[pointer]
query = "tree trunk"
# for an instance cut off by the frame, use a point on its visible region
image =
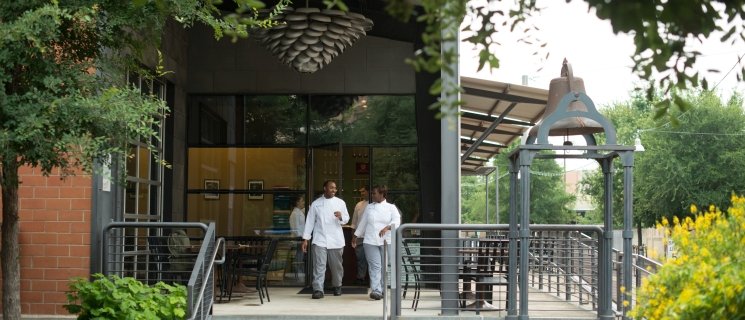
(10, 249)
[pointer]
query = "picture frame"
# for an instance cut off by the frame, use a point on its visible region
(362, 168)
(211, 184)
(255, 185)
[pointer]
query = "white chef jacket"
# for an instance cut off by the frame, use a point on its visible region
(375, 218)
(297, 222)
(324, 225)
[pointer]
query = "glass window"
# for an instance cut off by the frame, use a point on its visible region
(233, 168)
(396, 167)
(362, 119)
(274, 120)
(144, 176)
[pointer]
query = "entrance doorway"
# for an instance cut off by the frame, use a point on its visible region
(349, 167)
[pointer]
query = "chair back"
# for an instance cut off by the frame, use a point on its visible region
(492, 257)
(266, 260)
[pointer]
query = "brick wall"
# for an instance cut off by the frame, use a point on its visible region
(55, 222)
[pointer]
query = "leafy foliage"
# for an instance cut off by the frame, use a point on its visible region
(706, 280)
(125, 298)
(63, 100)
(683, 164)
(662, 31)
(550, 203)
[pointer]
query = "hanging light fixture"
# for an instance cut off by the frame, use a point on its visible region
(638, 142)
(307, 39)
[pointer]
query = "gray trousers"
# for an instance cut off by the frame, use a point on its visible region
(334, 257)
(361, 259)
(374, 256)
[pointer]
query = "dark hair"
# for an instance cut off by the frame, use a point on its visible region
(382, 189)
(297, 198)
(326, 183)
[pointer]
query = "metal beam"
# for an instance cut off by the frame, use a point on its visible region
(485, 117)
(487, 132)
(501, 96)
(481, 129)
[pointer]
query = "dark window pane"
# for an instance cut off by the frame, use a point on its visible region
(212, 120)
(329, 115)
(382, 120)
(274, 120)
(396, 167)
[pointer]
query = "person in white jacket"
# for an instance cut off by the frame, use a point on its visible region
(297, 227)
(375, 227)
(325, 217)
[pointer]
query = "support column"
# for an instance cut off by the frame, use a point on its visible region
(450, 169)
(526, 158)
(627, 159)
(512, 249)
(606, 244)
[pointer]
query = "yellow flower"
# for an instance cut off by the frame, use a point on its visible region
(694, 210)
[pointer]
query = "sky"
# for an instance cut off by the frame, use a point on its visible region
(597, 55)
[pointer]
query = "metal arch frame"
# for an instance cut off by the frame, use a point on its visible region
(520, 161)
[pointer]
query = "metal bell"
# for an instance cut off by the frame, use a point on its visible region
(568, 126)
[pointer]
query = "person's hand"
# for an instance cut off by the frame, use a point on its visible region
(354, 242)
(305, 246)
(337, 214)
(384, 230)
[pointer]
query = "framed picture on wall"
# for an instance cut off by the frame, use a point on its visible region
(255, 185)
(211, 184)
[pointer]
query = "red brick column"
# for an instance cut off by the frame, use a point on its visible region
(55, 222)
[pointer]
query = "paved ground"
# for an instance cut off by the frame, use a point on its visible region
(287, 304)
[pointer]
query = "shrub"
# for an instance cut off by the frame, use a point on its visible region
(707, 278)
(125, 298)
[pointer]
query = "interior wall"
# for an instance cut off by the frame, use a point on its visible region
(372, 65)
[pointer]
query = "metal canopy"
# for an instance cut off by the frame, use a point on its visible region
(493, 115)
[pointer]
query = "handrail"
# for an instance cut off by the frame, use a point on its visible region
(197, 273)
(213, 261)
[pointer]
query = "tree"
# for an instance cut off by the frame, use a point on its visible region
(662, 32)
(56, 113)
(680, 165)
(549, 200)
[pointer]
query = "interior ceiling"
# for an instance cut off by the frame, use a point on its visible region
(494, 114)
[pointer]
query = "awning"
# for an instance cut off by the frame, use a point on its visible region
(494, 114)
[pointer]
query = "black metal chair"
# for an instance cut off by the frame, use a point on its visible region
(412, 266)
(249, 264)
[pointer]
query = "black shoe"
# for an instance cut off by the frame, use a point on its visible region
(337, 291)
(376, 295)
(317, 294)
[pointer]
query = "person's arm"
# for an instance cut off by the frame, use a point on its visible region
(294, 222)
(360, 232)
(310, 223)
(394, 222)
(343, 217)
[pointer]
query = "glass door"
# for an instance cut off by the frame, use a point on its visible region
(326, 164)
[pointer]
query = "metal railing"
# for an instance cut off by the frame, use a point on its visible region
(563, 263)
(147, 252)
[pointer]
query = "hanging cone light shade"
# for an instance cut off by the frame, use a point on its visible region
(307, 39)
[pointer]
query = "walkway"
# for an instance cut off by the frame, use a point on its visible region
(287, 304)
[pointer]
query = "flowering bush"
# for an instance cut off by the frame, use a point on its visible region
(707, 278)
